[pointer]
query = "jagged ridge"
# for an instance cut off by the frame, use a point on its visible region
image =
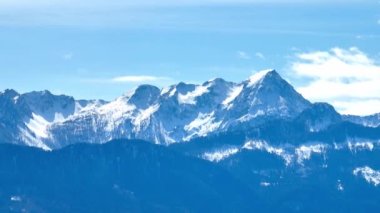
(177, 113)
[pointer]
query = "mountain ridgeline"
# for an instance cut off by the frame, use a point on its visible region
(263, 107)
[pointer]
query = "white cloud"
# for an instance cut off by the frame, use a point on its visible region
(259, 55)
(352, 107)
(138, 79)
(243, 55)
(347, 78)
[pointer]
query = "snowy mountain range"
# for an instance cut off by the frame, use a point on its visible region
(218, 147)
(265, 106)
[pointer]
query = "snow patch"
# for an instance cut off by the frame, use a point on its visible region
(172, 93)
(166, 135)
(299, 154)
(189, 98)
(245, 118)
(116, 109)
(249, 117)
(202, 125)
(219, 155)
(58, 117)
(340, 186)
(264, 146)
(15, 198)
(32, 140)
(15, 99)
(360, 146)
(304, 152)
(265, 184)
(370, 175)
(113, 113)
(165, 90)
(144, 115)
(234, 92)
(170, 90)
(38, 125)
(89, 107)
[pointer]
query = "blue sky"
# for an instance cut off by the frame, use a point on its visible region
(101, 49)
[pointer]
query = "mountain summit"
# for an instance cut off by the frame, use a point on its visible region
(178, 113)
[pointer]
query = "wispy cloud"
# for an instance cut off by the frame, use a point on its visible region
(259, 55)
(347, 78)
(243, 55)
(246, 56)
(131, 80)
(138, 79)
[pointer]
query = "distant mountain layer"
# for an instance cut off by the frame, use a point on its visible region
(121, 176)
(264, 106)
(137, 176)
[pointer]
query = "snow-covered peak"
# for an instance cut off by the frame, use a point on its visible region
(53, 108)
(259, 76)
(264, 94)
(10, 95)
(144, 96)
(219, 86)
(216, 81)
(209, 94)
(184, 88)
